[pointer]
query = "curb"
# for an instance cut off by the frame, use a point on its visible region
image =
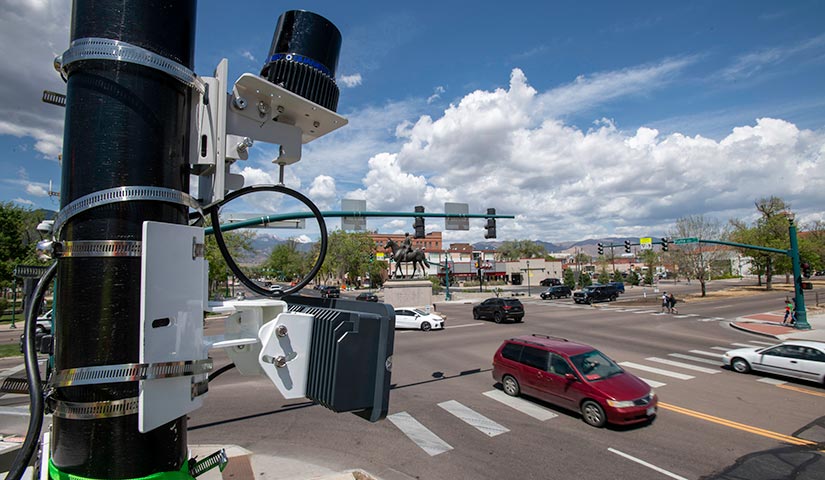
(744, 329)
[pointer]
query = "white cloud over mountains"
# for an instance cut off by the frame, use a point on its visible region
(496, 149)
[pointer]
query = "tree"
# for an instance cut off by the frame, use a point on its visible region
(617, 276)
(604, 277)
(650, 259)
(569, 278)
(633, 278)
(287, 261)
(348, 254)
(18, 236)
(516, 249)
(237, 242)
(769, 230)
(694, 259)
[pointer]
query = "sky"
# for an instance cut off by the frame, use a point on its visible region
(581, 119)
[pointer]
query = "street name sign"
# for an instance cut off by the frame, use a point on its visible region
(680, 241)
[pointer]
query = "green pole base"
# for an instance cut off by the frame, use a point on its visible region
(182, 474)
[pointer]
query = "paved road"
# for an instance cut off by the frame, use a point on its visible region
(713, 424)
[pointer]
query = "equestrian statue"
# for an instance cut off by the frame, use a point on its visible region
(406, 254)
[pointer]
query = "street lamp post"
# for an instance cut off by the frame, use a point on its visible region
(801, 314)
(528, 278)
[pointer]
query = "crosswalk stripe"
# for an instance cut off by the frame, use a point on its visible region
(709, 354)
(419, 434)
(528, 408)
(757, 342)
(691, 315)
(652, 383)
(747, 345)
(682, 365)
(473, 418)
(771, 381)
(723, 349)
(694, 359)
(667, 373)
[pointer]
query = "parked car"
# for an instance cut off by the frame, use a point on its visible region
(499, 309)
(418, 319)
(596, 293)
(367, 297)
(549, 282)
(44, 322)
(559, 291)
(800, 359)
(330, 292)
(575, 376)
(276, 289)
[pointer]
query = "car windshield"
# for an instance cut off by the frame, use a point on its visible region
(420, 312)
(594, 365)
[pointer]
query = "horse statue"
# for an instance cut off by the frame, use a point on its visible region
(415, 256)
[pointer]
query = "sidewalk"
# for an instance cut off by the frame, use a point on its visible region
(769, 324)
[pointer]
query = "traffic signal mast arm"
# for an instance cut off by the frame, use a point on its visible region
(252, 222)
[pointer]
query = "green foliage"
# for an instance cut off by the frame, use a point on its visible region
(617, 276)
(585, 280)
(633, 278)
(238, 244)
(348, 254)
(648, 277)
(18, 237)
(287, 262)
(569, 278)
(4, 304)
(604, 277)
(516, 249)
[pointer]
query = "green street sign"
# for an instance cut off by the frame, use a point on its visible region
(680, 241)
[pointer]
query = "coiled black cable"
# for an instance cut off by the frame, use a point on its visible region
(216, 229)
(24, 455)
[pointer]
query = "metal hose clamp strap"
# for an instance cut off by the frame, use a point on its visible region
(94, 48)
(129, 372)
(94, 410)
(122, 194)
(100, 248)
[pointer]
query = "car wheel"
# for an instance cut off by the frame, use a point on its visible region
(425, 326)
(511, 386)
(613, 298)
(497, 317)
(476, 316)
(740, 365)
(593, 414)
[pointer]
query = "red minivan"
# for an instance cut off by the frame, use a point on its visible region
(574, 376)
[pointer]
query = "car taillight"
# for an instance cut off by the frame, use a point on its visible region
(507, 307)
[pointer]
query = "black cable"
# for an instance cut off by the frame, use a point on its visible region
(24, 455)
(219, 371)
(216, 229)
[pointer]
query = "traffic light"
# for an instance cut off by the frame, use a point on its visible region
(418, 223)
(601, 248)
(806, 270)
(627, 246)
(491, 224)
(664, 244)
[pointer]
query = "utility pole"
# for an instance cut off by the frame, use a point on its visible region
(801, 313)
(127, 125)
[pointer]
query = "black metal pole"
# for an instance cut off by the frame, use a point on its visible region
(126, 125)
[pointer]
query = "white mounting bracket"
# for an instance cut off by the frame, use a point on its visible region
(227, 124)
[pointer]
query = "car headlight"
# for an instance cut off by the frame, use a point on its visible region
(618, 404)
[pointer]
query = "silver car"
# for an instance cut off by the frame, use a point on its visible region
(800, 359)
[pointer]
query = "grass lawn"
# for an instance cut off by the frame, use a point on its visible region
(10, 350)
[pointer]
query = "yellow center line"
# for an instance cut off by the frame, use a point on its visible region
(803, 390)
(739, 426)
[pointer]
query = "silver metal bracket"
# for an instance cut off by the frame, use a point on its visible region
(98, 248)
(94, 410)
(129, 372)
(217, 459)
(94, 48)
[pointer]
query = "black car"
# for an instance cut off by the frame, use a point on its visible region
(330, 292)
(499, 309)
(367, 297)
(596, 293)
(559, 291)
(550, 282)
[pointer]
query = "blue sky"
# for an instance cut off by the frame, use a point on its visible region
(582, 119)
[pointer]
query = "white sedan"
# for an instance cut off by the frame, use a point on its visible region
(794, 358)
(417, 319)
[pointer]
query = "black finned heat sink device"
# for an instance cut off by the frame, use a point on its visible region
(303, 57)
(351, 348)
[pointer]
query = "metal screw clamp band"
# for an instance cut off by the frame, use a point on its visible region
(94, 48)
(100, 248)
(122, 194)
(94, 410)
(129, 372)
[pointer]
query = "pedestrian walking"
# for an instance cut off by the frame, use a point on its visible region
(788, 311)
(671, 304)
(665, 303)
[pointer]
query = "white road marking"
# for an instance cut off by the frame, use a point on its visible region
(771, 381)
(694, 359)
(528, 408)
(473, 418)
(419, 434)
(646, 464)
(762, 343)
(709, 354)
(467, 325)
(682, 365)
(747, 345)
(691, 315)
(667, 373)
(722, 349)
(652, 383)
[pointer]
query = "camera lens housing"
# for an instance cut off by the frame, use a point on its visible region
(303, 57)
